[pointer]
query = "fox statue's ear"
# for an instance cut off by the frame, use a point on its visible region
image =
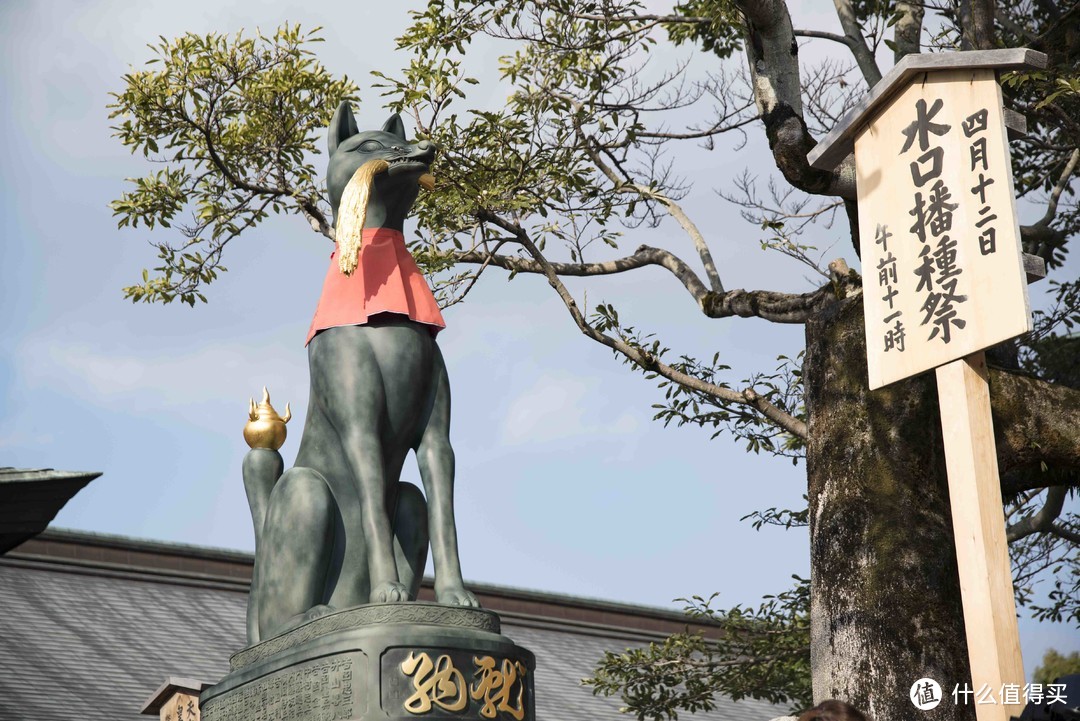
(394, 126)
(342, 127)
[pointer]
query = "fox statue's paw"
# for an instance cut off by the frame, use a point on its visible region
(389, 592)
(456, 595)
(299, 620)
(318, 612)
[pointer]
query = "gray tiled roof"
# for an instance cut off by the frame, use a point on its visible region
(94, 645)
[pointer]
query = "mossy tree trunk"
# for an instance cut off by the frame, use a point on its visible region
(885, 606)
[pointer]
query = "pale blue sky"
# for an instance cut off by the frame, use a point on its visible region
(564, 483)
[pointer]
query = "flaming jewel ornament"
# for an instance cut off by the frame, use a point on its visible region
(265, 428)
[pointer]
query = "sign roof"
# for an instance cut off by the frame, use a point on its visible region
(840, 142)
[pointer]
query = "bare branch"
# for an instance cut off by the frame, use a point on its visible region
(857, 43)
(767, 305)
(1035, 422)
(787, 217)
(1016, 28)
(828, 95)
(908, 29)
(779, 307)
(1041, 238)
(1059, 188)
(716, 128)
(315, 217)
(676, 211)
(661, 19)
(772, 54)
(1042, 521)
(822, 35)
(691, 229)
(638, 355)
(1064, 533)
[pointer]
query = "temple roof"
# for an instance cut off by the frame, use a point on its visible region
(92, 625)
(31, 497)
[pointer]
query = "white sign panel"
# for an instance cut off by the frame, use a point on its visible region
(943, 274)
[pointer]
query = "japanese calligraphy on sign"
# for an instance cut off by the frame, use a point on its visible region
(942, 268)
(181, 707)
(498, 686)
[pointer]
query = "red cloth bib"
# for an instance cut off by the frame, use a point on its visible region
(386, 280)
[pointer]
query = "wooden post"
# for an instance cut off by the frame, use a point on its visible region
(982, 557)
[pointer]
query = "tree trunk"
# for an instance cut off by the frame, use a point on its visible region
(885, 599)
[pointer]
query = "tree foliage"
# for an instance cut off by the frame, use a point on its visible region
(761, 653)
(1055, 665)
(232, 122)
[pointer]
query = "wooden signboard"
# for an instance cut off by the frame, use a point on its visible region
(181, 707)
(942, 269)
(943, 279)
(177, 699)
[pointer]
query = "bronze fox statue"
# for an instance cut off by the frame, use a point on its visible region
(340, 528)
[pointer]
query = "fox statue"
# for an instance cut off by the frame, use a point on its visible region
(340, 528)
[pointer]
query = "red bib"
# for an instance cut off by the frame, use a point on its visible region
(386, 280)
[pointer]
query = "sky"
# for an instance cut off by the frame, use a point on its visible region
(564, 483)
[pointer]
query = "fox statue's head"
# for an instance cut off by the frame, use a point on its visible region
(373, 179)
(394, 183)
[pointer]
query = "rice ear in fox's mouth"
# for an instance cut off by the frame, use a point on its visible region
(352, 211)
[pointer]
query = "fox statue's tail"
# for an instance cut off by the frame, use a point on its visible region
(263, 466)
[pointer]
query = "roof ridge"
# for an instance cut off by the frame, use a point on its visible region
(117, 540)
(54, 533)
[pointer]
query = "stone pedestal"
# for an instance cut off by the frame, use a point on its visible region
(384, 661)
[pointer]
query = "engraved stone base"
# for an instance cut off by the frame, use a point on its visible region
(391, 661)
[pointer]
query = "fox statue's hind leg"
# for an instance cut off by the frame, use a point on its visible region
(295, 571)
(410, 537)
(297, 545)
(313, 552)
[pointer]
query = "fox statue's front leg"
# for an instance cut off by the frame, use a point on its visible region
(372, 383)
(435, 457)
